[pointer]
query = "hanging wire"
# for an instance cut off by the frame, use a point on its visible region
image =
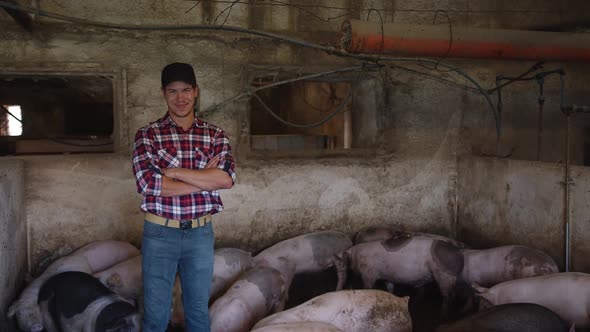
(320, 122)
(409, 10)
(309, 12)
(438, 78)
(230, 8)
(193, 7)
(535, 67)
(251, 91)
(289, 40)
(450, 40)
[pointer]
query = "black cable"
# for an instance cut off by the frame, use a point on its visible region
(293, 41)
(482, 91)
(438, 78)
(301, 8)
(416, 10)
(450, 32)
(382, 41)
(230, 8)
(450, 42)
(12, 115)
(307, 103)
(311, 125)
(499, 105)
(249, 92)
(193, 7)
(534, 77)
(289, 40)
(318, 123)
(533, 68)
(382, 32)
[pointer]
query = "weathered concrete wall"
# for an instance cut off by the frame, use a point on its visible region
(505, 201)
(580, 218)
(408, 178)
(72, 200)
(519, 118)
(13, 233)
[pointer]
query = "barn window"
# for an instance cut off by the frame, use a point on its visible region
(48, 114)
(302, 103)
(11, 124)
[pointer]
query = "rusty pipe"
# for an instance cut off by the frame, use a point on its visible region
(435, 41)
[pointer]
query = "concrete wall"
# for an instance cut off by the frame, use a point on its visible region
(580, 218)
(407, 178)
(13, 232)
(505, 202)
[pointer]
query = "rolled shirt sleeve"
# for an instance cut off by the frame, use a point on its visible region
(222, 149)
(148, 176)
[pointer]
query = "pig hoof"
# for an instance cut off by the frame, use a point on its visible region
(37, 327)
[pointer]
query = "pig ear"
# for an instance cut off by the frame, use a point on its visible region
(478, 288)
(114, 280)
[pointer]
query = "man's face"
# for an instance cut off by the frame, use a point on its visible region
(180, 97)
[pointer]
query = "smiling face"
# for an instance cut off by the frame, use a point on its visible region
(180, 97)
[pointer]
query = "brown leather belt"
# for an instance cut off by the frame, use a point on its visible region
(182, 224)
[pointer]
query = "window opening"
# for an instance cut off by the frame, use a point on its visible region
(11, 124)
(57, 113)
(301, 102)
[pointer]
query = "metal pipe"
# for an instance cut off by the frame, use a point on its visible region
(347, 128)
(539, 131)
(566, 182)
(541, 100)
(566, 217)
(436, 41)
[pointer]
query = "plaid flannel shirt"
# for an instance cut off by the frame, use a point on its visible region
(163, 144)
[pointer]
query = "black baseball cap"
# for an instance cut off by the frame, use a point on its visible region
(177, 71)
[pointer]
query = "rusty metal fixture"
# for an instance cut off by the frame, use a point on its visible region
(460, 42)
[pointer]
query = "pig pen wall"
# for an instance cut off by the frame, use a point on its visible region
(407, 178)
(505, 202)
(13, 232)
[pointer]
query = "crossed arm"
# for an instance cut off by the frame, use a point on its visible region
(168, 182)
(184, 181)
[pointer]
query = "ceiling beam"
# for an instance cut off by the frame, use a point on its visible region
(21, 17)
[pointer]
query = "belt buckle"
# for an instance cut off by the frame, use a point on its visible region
(186, 224)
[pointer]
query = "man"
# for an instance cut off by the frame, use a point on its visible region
(179, 163)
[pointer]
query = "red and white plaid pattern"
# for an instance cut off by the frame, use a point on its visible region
(163, 144)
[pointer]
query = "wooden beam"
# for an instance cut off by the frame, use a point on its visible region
(20, 17)
(41, 146)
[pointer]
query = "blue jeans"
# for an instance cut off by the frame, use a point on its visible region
(164, 251)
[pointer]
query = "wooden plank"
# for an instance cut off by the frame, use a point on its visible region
(40, 146)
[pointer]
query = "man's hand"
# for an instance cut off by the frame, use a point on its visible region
(213, 162)
(173, 172)
(169, 172)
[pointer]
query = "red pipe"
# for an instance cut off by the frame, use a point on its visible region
(434, 41)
